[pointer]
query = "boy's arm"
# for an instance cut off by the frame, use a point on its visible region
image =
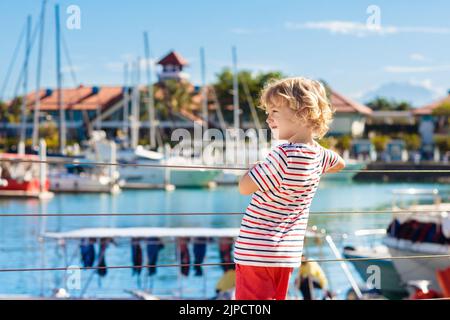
(340, 164)
(247, 185)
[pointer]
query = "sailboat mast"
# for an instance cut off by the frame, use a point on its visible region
(235, 91)
(135, 108)
(23, 132)
(126, 102)
(150, 97)
(62, 123)
(37, 100)
(204, 89)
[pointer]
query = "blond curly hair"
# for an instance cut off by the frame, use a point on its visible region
(305, 96)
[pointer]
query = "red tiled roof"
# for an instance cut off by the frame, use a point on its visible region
(80, 98)
(105, 97)
(428, 109)
(345, 105)
(31, 97)
(174, 59)
(69, 97)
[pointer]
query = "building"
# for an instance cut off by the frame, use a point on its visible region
(431, 125)
(350, 117)
(81, 106)
(172, 67)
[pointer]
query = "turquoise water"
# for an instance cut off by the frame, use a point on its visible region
(19, 247)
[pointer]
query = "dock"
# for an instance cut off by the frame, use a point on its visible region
(410, 173)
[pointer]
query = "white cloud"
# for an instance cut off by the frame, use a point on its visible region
(417, 57)
(361, 29)
(416, 69)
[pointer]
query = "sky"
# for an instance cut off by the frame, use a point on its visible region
(356, 46)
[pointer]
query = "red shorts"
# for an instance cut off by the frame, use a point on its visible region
(262, 283)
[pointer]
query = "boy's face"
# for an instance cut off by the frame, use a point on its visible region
(282, 122)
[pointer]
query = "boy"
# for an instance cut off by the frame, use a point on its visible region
(270, 240)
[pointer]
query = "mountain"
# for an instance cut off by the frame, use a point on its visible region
(415, 94)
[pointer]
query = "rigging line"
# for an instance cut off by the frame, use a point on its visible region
(37, 101)
(251, 106)
(314, 213)
(22, 70)
(204, 167)
(69, 60)
(220, 263)
(13, 61)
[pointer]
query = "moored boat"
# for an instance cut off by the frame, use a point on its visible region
(82, 176)
(418, 230)
(22, 179)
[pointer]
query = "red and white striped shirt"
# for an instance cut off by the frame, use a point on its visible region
(274, 225)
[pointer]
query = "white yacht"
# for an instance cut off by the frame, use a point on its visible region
(420, 229)
(83, 177)
(136, 175)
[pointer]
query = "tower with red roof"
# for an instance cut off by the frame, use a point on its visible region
(172, 67)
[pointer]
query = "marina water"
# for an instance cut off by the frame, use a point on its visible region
(20, 248)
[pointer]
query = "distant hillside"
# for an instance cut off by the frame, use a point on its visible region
(416, 95)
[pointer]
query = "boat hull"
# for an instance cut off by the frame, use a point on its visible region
(187, 178)
(74, 183)
(16, 188)
(391, 285)
(418, 269)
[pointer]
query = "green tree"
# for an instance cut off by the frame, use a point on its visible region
(380, 142)
(175, 97)
(383, 104)
(403, 106)
(49, 132)
(11, 113)
(344, 142)
(442, 142)
(412, 141)
(253, 82)
(442, 110)
(328, 142)
(3, 111)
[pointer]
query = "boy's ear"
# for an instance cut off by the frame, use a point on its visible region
(298, 114)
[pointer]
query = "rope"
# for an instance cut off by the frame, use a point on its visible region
(220, 263)
(315, 213)
(148, 165)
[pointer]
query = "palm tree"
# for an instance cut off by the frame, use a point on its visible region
(175, 96)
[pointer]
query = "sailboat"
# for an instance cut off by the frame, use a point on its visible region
(235, 155)
(22, 179)
(83, 176)
(136, 161)
(420, 229)
(137, 176)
